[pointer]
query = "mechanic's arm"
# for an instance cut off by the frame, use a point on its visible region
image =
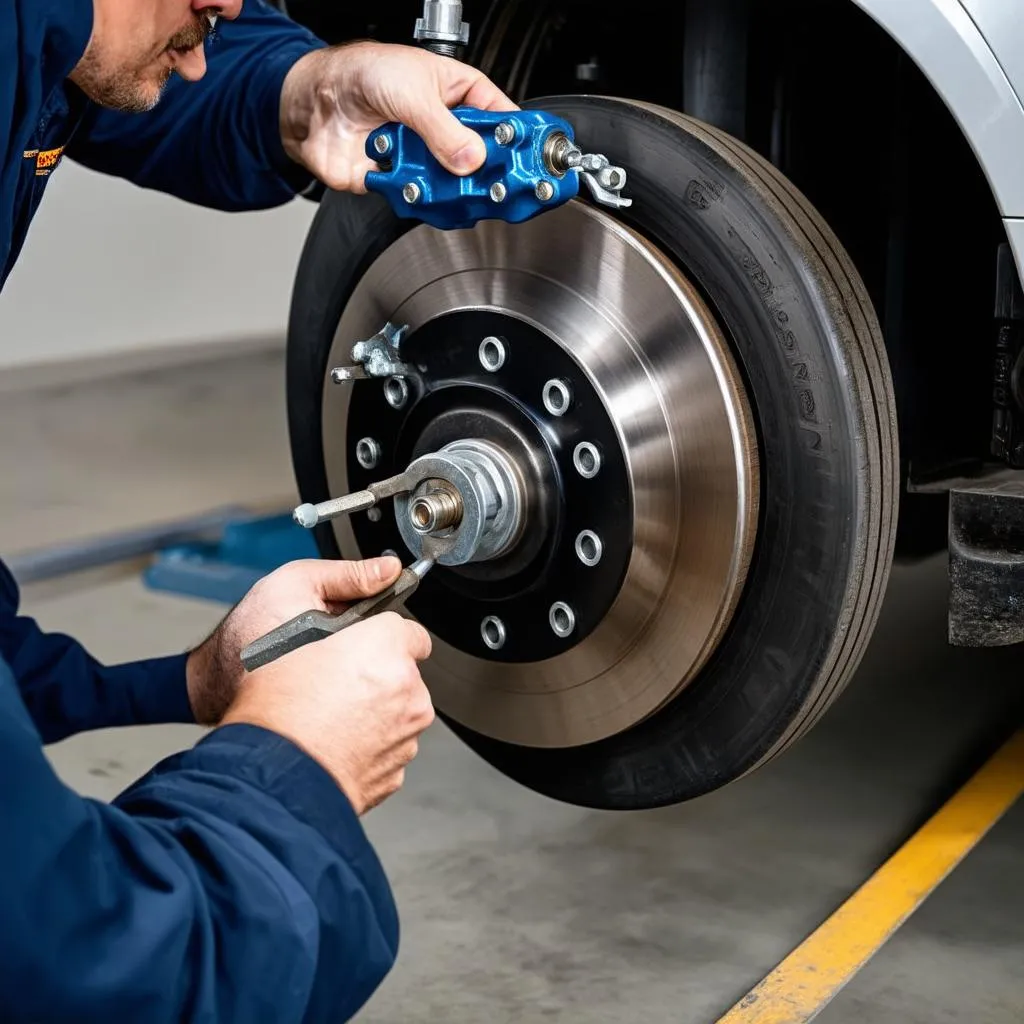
(233, 882)
(275, 110)
(67, 691)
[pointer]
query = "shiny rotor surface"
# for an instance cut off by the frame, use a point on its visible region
(650, 347)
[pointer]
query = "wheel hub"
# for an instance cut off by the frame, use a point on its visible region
(588, 454)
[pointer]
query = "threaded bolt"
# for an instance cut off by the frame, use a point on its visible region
(544, 191)
(436, 510)
(504, 133)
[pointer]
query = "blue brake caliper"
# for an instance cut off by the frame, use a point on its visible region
(532, 165)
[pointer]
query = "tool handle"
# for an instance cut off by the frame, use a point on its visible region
(318, 625)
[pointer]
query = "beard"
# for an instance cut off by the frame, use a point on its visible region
(128, 89)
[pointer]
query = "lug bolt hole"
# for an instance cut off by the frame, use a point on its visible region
(396, 391)
(587, 459)
(557, 397)
(492, 354)
(367, 452)
(562, 619)
(589, 548)
(492, 629)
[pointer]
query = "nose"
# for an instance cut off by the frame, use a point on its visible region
(229, 9)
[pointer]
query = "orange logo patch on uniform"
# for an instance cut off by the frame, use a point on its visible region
(47, 160)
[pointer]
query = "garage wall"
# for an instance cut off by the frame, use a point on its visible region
(111, 269)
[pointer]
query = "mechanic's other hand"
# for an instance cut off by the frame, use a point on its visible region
(354, 701)
(332, 99)
(214, 670)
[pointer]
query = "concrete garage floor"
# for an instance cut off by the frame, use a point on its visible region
(516, 908)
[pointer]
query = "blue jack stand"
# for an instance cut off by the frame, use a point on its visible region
(225, 570)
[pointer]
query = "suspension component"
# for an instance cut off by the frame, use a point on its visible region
(441, 28)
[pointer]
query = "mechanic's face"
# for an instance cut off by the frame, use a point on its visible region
(137, 44)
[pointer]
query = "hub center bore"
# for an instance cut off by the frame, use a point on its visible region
(471, 501)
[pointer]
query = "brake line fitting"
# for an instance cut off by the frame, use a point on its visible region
(532, 164)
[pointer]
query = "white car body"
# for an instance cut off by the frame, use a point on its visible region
(972, 51)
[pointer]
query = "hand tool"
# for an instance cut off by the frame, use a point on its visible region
(317, 625)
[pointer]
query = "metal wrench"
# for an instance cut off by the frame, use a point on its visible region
(317, 625)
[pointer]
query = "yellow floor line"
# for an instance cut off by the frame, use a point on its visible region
(804, 983)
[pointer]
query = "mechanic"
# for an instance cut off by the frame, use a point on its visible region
(234, 881)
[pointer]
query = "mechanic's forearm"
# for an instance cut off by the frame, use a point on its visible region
(232, 883)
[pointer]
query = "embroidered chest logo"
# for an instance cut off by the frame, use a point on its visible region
(46, 159)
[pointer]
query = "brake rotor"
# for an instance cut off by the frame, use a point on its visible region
(575, 300)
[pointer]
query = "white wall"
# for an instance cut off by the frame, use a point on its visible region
(109, 268)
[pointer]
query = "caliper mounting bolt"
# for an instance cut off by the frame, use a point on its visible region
(411, 192)
(544, 191)
(382, 143)
(498, 192)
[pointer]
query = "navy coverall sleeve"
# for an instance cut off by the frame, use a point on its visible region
(233, 883)
(215, 142)
(66, 690)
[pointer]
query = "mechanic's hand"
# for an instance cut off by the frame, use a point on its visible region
(354, 701)
(214, 670)
(332, 100)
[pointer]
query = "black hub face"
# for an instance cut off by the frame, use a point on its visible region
(460, 399)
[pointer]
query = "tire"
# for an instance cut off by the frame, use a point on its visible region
(814, 366)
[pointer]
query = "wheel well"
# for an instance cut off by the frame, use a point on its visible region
(822, 91)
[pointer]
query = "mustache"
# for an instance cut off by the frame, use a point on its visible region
(192, 35)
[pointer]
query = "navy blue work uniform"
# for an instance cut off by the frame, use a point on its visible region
(233, 882)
